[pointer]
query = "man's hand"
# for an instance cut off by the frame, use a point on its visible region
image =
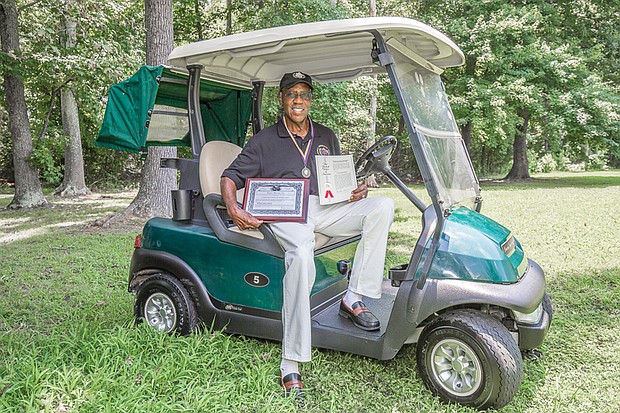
(358, 193)
(241, 218)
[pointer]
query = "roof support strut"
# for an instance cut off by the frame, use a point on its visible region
(196, 130)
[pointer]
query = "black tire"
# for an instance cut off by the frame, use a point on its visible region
(165, 305)
(470, 358)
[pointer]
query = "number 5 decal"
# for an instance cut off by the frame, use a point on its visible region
(256, 279)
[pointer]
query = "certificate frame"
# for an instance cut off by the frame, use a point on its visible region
(269, 204)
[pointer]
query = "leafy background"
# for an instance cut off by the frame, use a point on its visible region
(558, 60)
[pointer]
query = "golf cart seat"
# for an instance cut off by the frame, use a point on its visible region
(216, 156)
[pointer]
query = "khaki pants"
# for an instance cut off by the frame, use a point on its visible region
(370, 217)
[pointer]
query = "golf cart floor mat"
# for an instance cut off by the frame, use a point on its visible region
(380, 307)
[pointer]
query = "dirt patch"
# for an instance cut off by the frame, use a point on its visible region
(120, 225)
(92, 213)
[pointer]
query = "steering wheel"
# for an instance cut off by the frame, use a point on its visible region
(376, 158)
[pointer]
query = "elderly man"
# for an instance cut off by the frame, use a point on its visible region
(287, 150)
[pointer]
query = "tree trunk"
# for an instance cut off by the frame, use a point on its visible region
(470, 71)
(28, 191)
(198, 19)
(466, 134)
(73, 183)
(228, 16)
(153, 198)
(520, 164)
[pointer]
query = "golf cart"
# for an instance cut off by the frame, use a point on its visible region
(469, 297)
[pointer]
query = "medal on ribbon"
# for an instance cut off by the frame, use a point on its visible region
(305, 155)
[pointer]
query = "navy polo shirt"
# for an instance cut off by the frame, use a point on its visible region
(272, 154)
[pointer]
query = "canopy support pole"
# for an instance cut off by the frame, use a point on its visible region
(257, 106)
(196, 130)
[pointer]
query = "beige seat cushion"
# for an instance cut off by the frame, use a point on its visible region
(216, 156)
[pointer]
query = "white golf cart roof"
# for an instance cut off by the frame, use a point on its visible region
(329, 51)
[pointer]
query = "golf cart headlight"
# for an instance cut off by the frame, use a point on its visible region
(531, 318)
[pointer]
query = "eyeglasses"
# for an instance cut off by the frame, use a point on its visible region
(304, 95)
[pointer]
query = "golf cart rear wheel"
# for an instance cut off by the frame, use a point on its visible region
(165, 305)
(470, 358)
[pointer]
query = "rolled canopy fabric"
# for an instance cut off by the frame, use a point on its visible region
(225, 110)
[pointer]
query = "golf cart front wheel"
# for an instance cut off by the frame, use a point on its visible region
(164, 304)
(470, 358)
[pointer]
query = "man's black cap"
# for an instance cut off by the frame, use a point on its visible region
(291, 79)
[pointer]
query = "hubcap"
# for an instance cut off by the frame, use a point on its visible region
(160, 313)
(456, 367)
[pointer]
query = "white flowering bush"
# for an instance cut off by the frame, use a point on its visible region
(597, 162)
(576, 167)
(546, 163)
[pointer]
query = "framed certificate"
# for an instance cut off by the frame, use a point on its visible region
(277, 199)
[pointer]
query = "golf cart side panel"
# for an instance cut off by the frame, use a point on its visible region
(211, 312)
(220, 265)
(146, 262)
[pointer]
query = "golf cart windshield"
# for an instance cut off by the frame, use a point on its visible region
(427, 106)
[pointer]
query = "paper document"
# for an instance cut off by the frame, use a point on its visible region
(336, 178)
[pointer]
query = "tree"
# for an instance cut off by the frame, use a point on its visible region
(73, 182)
(28, 192)
(88, 68)
(153, 197)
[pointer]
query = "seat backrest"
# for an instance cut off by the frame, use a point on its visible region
(216, 156)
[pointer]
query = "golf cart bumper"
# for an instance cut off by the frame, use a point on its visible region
(524, 296)
(532, 336)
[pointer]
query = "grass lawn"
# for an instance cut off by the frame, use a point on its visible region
(68, 342)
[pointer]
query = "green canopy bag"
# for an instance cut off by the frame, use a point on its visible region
(150, 108)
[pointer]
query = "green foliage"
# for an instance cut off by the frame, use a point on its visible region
(523, 55)
(263, 14)
(46, 158)
(109, 48)
(558, 59)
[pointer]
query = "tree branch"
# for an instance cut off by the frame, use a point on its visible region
(49, 113)
(25, 6)
(51, 107)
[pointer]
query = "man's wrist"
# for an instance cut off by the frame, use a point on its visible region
(232, 208)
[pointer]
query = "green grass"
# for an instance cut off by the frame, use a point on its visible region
(68, 342)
